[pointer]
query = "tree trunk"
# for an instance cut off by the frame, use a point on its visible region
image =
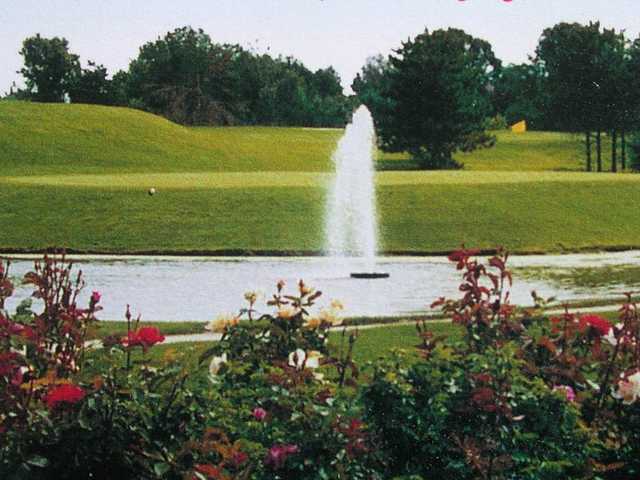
(614, 151)
(623, 150)
(588, 144)
(599, 150)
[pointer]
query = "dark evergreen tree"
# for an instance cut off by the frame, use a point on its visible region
(439, 97)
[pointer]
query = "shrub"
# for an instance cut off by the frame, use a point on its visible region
(473, 409)
(519, 396)
(40, 352)
(54, 423)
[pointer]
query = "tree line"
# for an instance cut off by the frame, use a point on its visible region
(191, 80)
(438, 92)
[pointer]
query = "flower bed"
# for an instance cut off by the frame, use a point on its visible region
(520, 396)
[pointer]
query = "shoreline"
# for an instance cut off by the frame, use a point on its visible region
(243, 253)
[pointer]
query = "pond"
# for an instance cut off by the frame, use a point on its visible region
(200, 288)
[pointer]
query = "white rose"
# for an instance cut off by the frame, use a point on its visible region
(297, 358)
(216, 364)
(611, 334)
(629, 389)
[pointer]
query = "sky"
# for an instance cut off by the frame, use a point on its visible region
(341, 33)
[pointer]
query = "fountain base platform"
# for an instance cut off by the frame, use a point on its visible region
(369, 275)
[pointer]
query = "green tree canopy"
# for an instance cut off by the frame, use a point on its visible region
(92, 86)
(438, 97)
(183, 76)
(631, 87)
(585, 68)
(568, 52)
(519, 94)
(188, 78)
(371, 86)
(49, 68)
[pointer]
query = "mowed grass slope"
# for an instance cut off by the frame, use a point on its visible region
(43, 139)
(77, 176)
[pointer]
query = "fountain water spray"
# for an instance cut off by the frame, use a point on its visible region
(351, 227)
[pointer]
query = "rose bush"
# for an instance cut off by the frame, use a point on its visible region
(54, 422)
(521, 395)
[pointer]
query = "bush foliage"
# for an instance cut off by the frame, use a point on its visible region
(520, 396)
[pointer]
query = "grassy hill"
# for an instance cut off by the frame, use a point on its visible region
(77, 176)
(43, 139)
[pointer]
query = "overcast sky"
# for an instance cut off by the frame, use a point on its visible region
(342, 33)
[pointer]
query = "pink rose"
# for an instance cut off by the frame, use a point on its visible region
(259, 413)
(568, 391)
(278, 454)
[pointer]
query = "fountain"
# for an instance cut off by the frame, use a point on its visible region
(351, 226)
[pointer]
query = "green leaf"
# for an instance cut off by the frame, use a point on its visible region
(161, 468)
(38, 461)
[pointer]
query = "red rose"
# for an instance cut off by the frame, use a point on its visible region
(601, 325)
(66, 393)
(145, 337)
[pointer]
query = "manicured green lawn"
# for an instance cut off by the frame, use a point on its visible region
(553, 214)
(77, 176)
(523, 217)
(533, 151)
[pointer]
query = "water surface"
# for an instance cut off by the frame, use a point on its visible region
(200, 288)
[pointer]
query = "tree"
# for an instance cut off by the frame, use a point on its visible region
(611, 69)
(183, 76)
(189, 79)
(49, 68)
(584, 68)
(567, 52)
(93, 86)
(519, 94)
(282, 91)
(120, 88)
(326, 82)
(630, 111)
(371, 86)
(329, 106)
(15, 93)
(439, 97)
